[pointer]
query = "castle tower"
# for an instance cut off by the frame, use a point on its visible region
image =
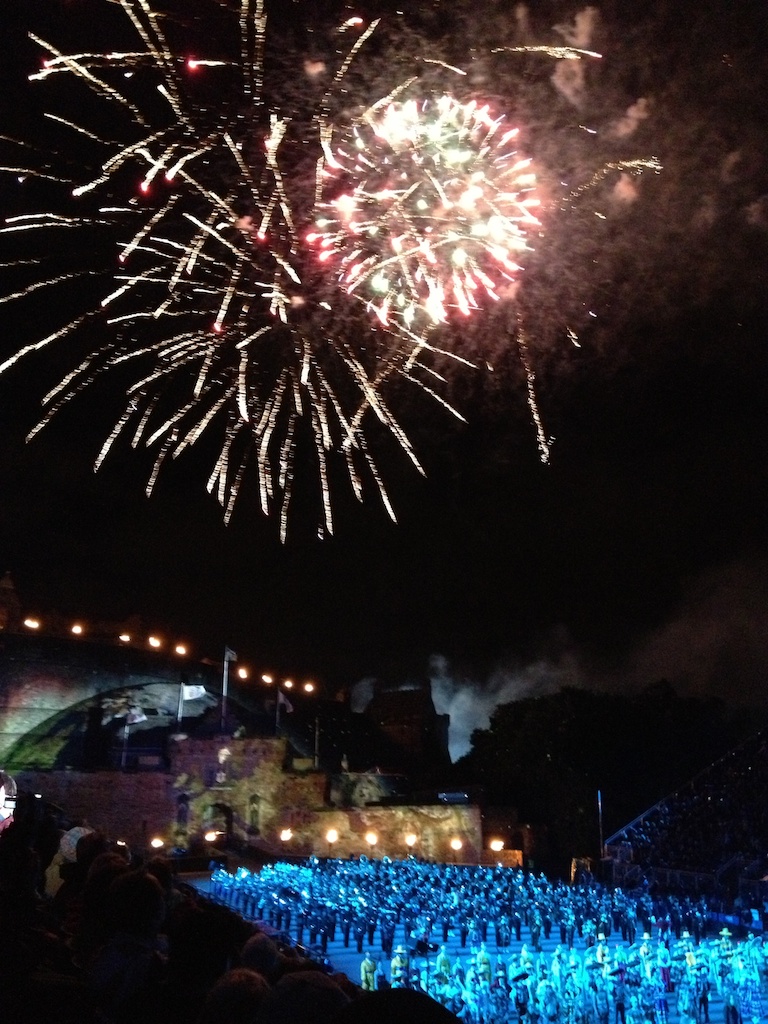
(405, 714)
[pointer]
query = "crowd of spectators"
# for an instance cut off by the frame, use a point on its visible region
(114, 939)
(718, 819)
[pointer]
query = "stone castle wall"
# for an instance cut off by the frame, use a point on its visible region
(241, 789)
(133, 806)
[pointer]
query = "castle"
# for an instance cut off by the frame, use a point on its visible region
(141, 744)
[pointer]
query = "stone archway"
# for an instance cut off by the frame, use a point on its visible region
(221, 819)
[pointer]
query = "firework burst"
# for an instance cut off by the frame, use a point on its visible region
(436, 215)
(265, 267)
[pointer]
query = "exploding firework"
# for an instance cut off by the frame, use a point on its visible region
(436, 215)
(207, 292)
(264, 265)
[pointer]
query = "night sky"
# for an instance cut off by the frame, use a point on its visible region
(638, 553)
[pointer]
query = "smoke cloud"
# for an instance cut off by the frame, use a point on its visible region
(470, 702)
(626, 189)
(361, 695)
(714, 644)
(568, 77)
(632, 118)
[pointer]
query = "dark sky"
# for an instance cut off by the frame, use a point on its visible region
(639, 552)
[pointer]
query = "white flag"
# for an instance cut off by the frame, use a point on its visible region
(192, 692)
(282, 699)
(134, 716)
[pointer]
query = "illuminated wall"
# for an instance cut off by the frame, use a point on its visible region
(240, 788)
(244, 789)
(49, 685)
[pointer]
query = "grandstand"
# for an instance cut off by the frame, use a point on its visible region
(709, 835)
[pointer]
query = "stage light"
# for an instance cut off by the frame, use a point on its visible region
(331, 836)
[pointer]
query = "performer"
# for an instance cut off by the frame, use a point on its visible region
(664, 961)
(546, 997)
(599, 1005)
(749, 996)
(686, 1004)
(387, 928)
(701, 990)
(522, 998)
(443, 963)
(503, 933)
(661, 1005)
(646, 955)
(368, 973)
(399, 968)
(731, 1006)
(619, 997)
(483, 964)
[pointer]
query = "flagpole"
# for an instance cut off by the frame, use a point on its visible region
(224, 688)
(180, 705)
(600, 821)
(281, 699)
(124, 757)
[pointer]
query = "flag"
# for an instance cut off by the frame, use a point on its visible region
(134, 716)
(282, 699)
(192, 692)
(229, 654)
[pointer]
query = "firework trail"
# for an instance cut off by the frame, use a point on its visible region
(266, 268)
